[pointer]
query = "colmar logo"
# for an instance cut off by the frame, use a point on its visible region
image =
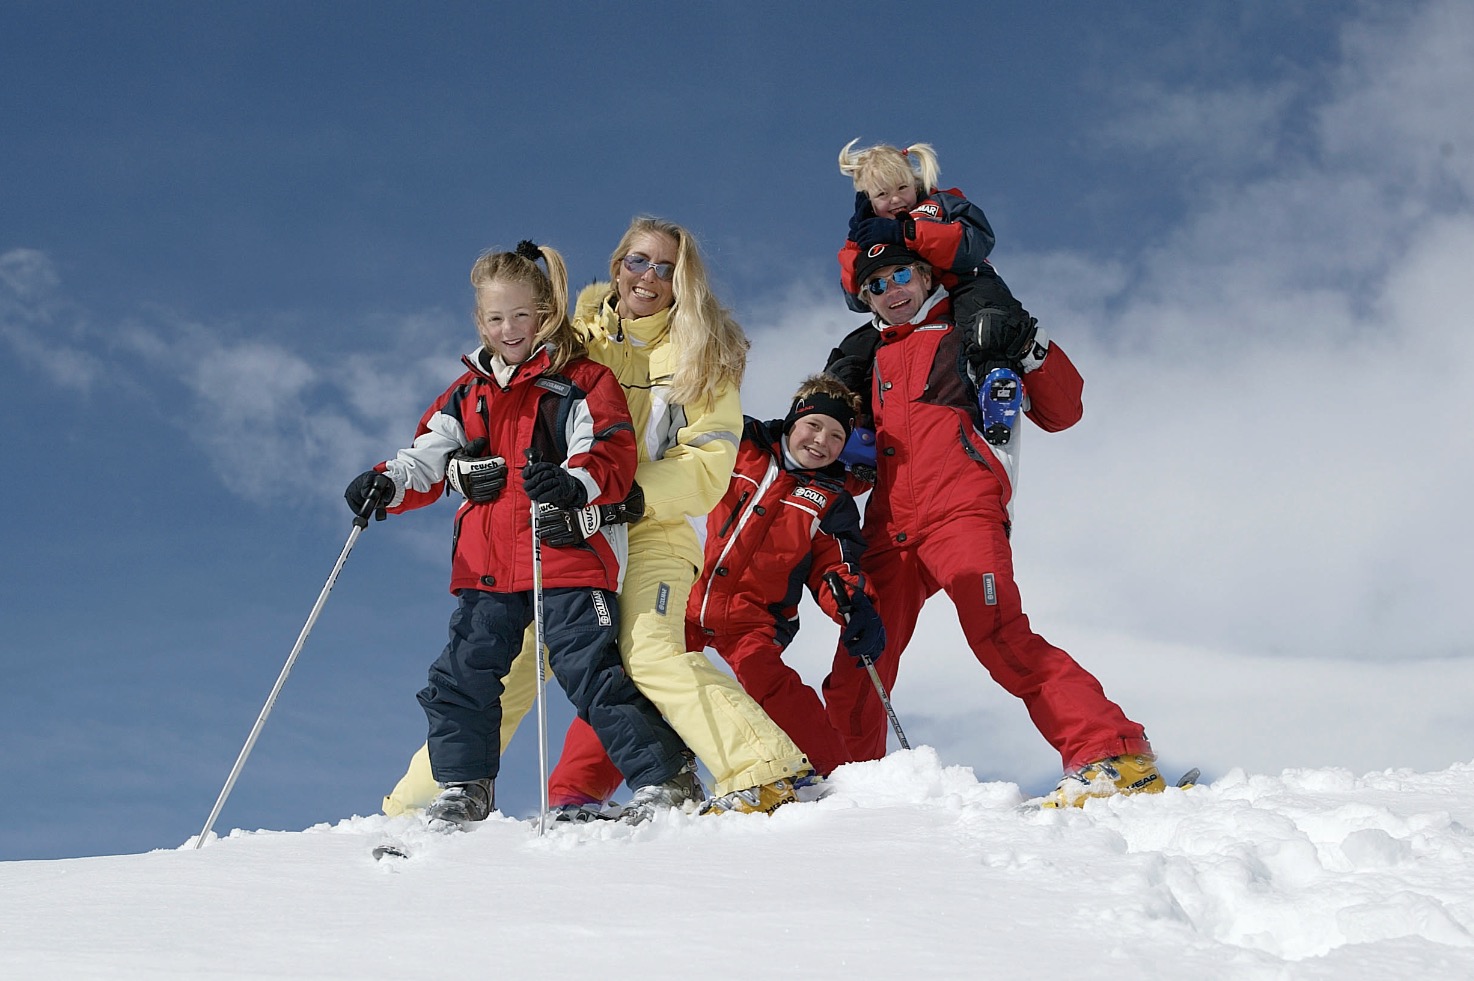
(809, 494)
(930, 210)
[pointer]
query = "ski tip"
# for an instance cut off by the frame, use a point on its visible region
(1189, 779)
(390, 849)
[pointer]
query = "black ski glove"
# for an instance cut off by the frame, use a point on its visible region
(370, 490)
(1003, 339)
(853, 371)
(864, 635)
(863, 210)
(476, 477)
(559, 527)
(548, 483)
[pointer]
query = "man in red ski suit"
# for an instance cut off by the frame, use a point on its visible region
(785, 522)
(939, 515)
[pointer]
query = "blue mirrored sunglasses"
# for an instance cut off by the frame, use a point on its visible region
(637, 264)
(878, 286)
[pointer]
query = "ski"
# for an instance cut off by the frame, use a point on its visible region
(390, 849)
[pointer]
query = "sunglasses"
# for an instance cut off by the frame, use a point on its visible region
(878, 286)
(637, 264)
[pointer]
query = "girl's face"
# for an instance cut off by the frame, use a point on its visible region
(645, 293)
(507, 318)
(815, 441)
(890, 200)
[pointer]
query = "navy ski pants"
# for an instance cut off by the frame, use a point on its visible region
(462, 701)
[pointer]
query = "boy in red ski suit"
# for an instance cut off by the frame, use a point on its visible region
(785, 522)
(939, 518)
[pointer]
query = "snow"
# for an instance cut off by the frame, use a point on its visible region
(908, 869)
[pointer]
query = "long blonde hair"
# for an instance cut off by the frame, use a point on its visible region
(710, 346)
(549, 291)
(884, 166)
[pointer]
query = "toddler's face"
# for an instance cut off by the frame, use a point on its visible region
(507, 318)
(815, 441)
(892, 199)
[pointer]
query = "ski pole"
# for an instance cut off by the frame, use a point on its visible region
(360, 522)
(542, 669)
(842, 601)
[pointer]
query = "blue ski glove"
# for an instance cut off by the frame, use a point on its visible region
(864, 635)
(548, 483)
(863, 210)
(874, 231)
(369, 487)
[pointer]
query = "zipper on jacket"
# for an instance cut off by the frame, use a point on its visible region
(736, 511)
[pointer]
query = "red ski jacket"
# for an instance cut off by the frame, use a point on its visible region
(775, 531)
(932, 461)
(952, 234)
(577, 416)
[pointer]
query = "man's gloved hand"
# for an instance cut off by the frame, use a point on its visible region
(864, 635)
(476, 477)
(853, 371)
(1002, 339)
(548, 483)
(370, 490)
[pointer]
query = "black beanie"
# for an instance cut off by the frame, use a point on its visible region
(825, 404)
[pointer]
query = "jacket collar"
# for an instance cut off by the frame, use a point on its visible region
(936, 308)
(487, 365)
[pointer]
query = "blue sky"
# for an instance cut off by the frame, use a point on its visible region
(234, 241)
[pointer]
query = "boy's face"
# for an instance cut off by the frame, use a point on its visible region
(900, 301)
(815, 441)
(890, 200)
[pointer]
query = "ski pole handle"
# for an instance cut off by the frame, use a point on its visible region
(841, 594)
(843, 603)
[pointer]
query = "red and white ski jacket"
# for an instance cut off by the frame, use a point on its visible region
(775, 531)
(577, 416)
(952, 234)
(932, 461)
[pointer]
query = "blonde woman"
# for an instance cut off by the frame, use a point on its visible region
(679, 357)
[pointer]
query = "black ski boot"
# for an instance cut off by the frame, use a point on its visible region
(463, 803)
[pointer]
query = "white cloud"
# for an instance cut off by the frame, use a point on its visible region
(1275, 456)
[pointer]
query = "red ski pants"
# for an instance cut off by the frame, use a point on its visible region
(584, 772)
(969, 557)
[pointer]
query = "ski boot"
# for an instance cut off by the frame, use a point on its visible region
(462, 804)
(759, 800)
(681, 789)
(582, 813)
(1103, 778)
(999, 396)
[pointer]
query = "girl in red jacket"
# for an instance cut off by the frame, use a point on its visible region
(898, 202)
(530, 392)
(785, 522)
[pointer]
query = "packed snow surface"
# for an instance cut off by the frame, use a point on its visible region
(908, 869)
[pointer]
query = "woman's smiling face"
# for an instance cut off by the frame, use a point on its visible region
(645, 293)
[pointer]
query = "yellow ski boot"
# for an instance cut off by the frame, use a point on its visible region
(757, 800)
(1103, 778)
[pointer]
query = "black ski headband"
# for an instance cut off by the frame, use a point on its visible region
(825, 404)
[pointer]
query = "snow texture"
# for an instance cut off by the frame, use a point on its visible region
(908, 869)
